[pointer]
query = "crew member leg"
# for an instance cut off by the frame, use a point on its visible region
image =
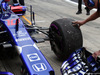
(15, 1)
(87, 10)
(21, 2)
(79, 7)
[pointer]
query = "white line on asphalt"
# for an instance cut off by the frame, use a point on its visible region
(77, 3)
(73, 2)
(40, 21)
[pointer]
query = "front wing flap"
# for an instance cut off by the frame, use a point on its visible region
(79, 63)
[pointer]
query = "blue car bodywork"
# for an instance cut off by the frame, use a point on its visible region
(81, 62)
(6, 73)
(32, 58)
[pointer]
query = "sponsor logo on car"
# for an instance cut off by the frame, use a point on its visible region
(39, 67)
(33, 57)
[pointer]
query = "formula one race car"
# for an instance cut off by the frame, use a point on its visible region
(65, 39)
(13, 31)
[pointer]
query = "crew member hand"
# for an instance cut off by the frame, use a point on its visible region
(79, 23)
(96, 54)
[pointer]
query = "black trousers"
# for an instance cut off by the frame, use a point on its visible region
(80, 6)
(20, 1)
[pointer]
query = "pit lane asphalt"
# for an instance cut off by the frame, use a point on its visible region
(49, 10)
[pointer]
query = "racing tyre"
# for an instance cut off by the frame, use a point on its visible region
(64, 37)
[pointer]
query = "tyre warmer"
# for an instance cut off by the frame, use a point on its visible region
(18, 9)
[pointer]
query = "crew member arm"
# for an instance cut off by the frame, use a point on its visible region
(92, 17)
